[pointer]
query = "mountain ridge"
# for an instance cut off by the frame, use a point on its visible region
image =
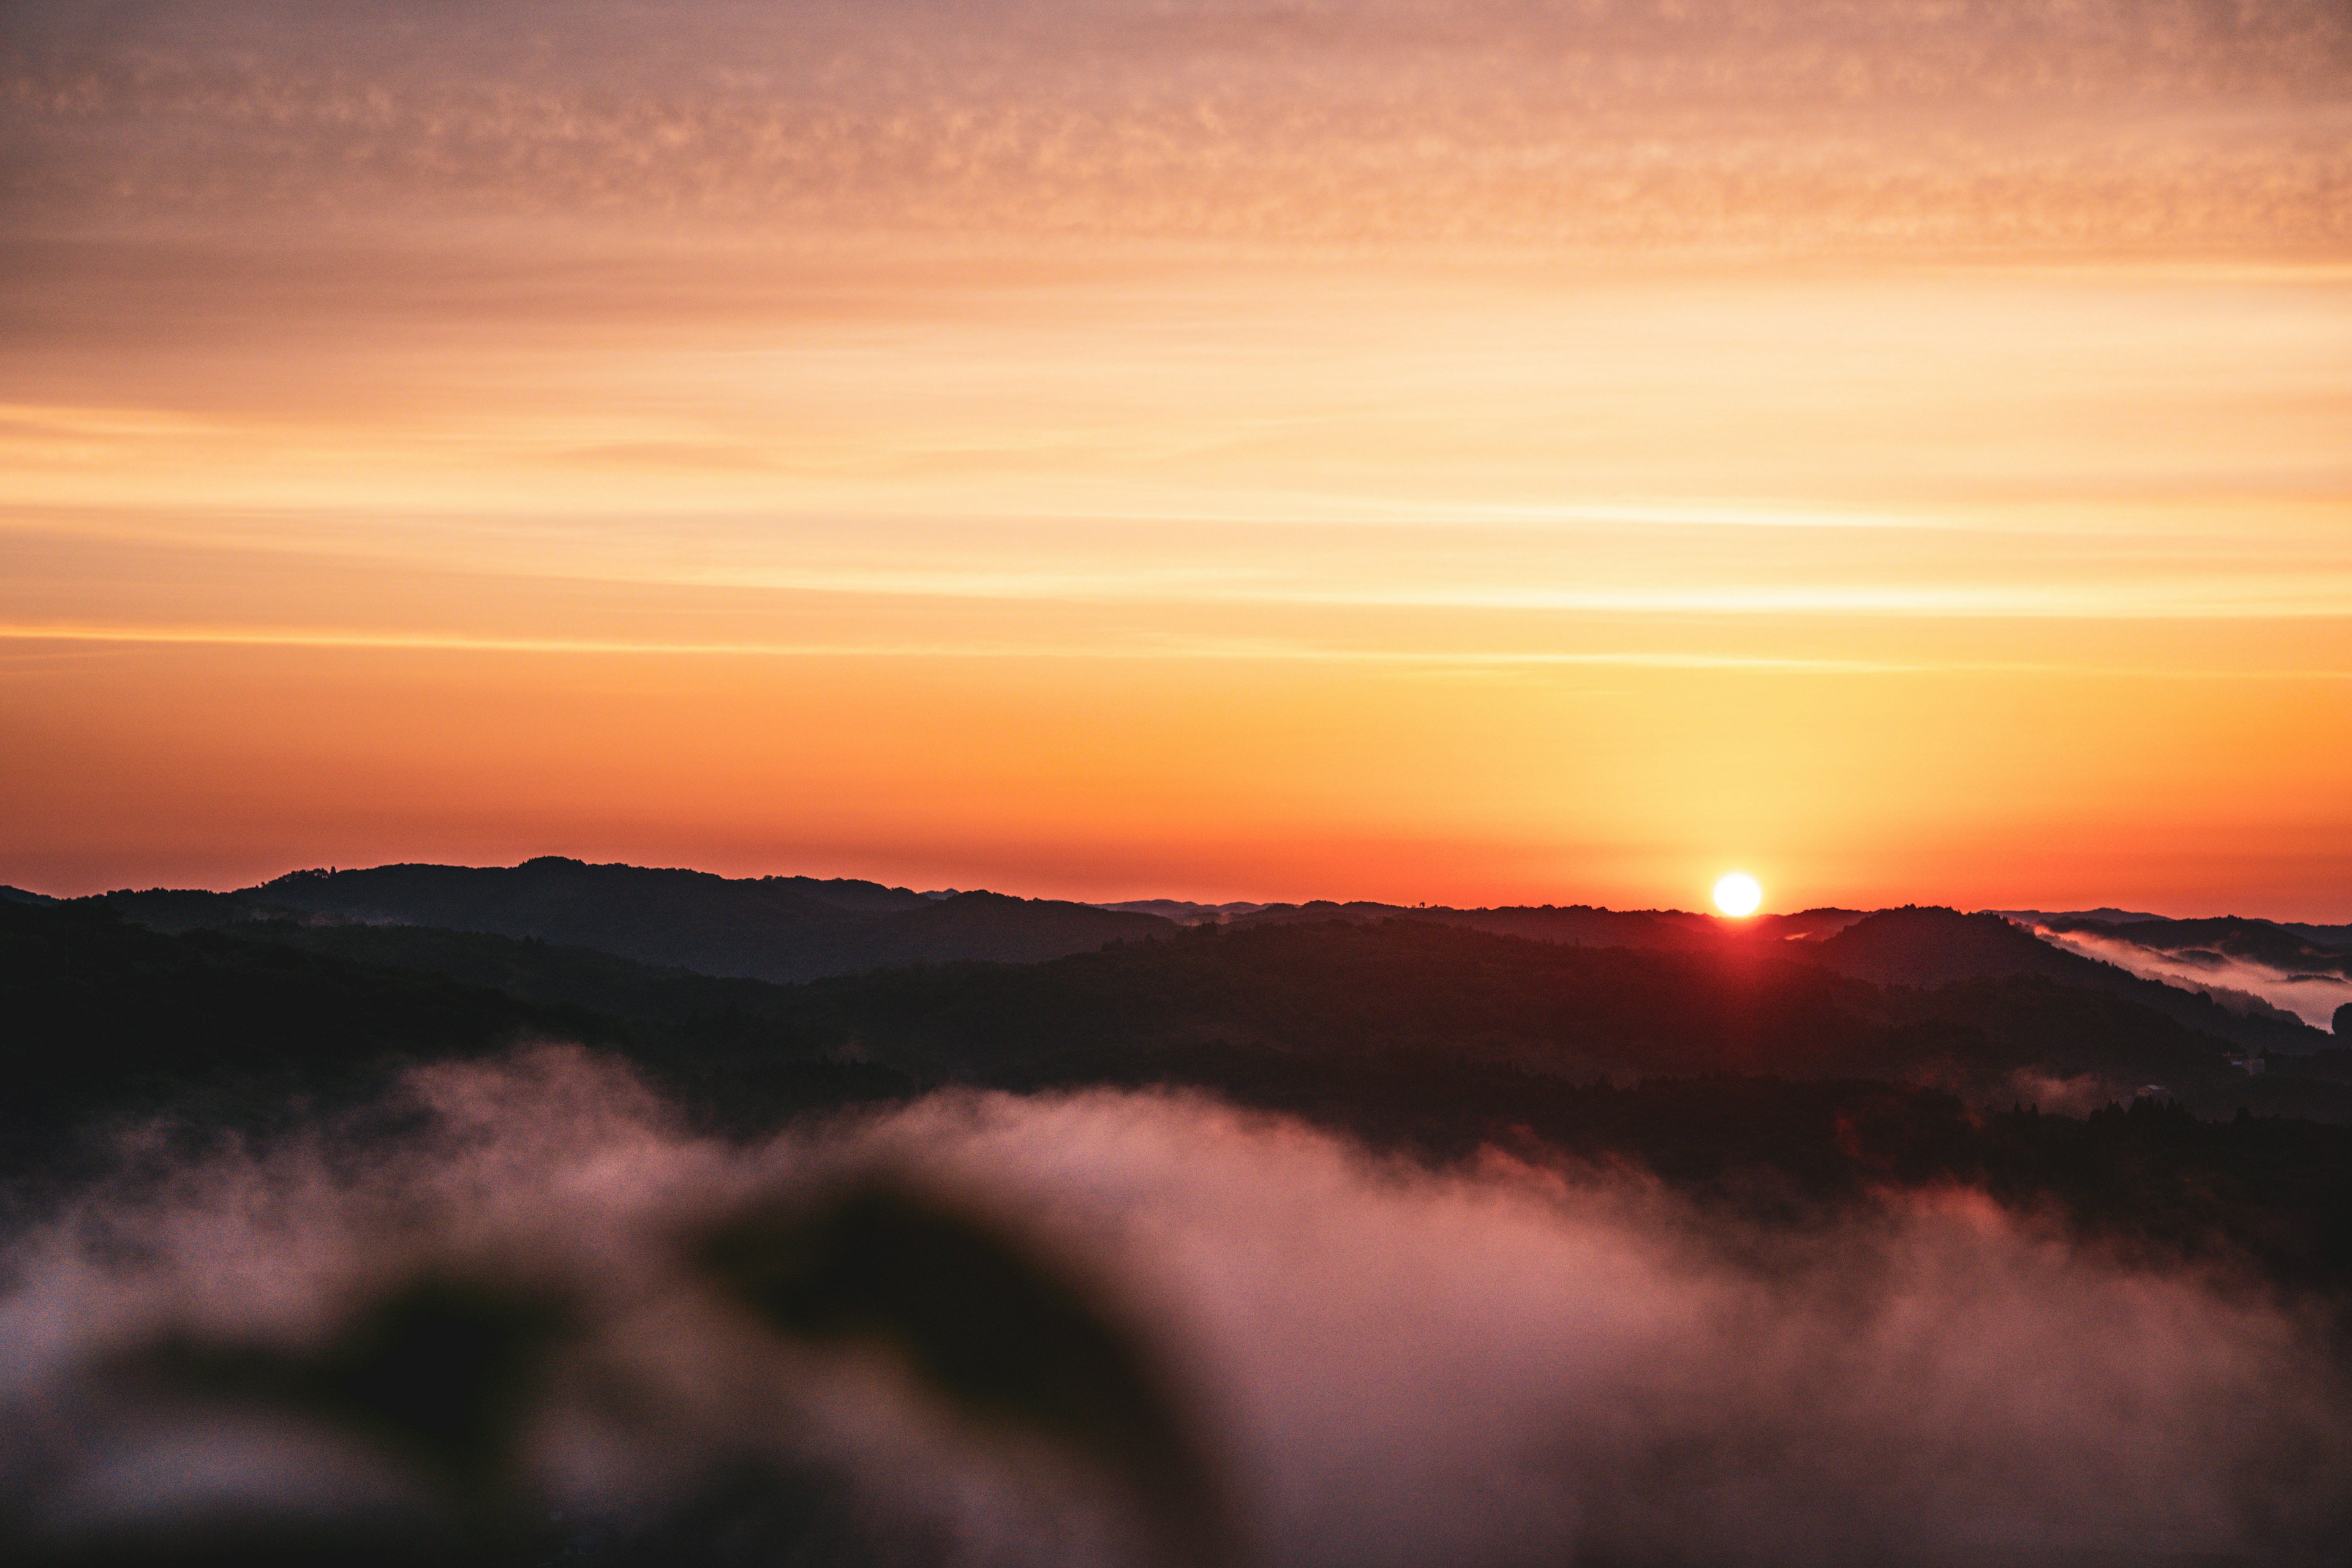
(790, 928)
(779, 929)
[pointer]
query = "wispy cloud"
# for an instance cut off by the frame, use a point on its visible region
(1144, 647)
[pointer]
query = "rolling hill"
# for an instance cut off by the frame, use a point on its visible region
(779, 929)
(1926, 947)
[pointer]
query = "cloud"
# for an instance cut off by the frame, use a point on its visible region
(1617, 122)
(1498, 1365)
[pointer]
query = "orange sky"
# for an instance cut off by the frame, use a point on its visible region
(1471, 453)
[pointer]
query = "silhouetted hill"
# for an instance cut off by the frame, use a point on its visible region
(1338, 990)
(1928, 947)
(999, 929)
(531, 970)
(2172, 932)
(788, 929)
(1574, 925)
(1338, 987)
(1914, 946)
(2107, 913)
(175, 909)
(769, 927)
(9, 895)
(1183, 912)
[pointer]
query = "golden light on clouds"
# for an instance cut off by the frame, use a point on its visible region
(1211, 448)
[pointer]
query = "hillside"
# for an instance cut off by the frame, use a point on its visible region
(1333, 987)
(1927, 947)
(1575, 925)
(105, 1017)
(2288, 949)
(1338, 988)
(778, 928)
(786, 929)
(106, 1020)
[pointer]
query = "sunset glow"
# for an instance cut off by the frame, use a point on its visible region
(1409, 450)
(1176, 783)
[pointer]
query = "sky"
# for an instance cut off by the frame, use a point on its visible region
(1479, 454)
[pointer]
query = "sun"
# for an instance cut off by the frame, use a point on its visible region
(1737, 893)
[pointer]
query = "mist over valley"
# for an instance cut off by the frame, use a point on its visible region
(404, 1215)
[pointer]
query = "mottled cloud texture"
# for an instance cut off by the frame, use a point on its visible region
(1492, 1366)
(1786, 125)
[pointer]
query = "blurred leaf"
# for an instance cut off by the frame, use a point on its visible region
(257, 1543)
(987, 1325)
(443, 1370)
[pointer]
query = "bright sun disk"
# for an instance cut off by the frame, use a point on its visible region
(1737, 893)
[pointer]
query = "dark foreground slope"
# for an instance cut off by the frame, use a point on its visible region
(103, 1022)
(1337, 990)
(102, 1018)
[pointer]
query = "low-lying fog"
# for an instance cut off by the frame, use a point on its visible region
(1502, 1364)
(2229, 979)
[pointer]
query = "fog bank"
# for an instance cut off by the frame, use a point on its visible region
(2239, 984)
(1501, 1364)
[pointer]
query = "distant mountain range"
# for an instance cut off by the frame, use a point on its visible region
(1183, 912)
(788, 929)
(2338, 936)
(1573, 925)
(2290, 949)
(2242, 981)
(1290, 1014)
